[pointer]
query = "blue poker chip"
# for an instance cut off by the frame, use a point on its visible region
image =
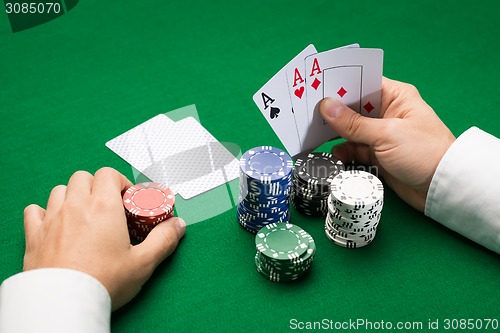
(254, 228)
(248, 180)
(265, 202)
(265, 209)
(266, 178)
(263, 206)
(263, 216)
(262, 198)
(260, 222)
(266, 164)
(267, 191)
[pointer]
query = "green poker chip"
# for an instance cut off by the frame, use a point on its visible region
(272, 274)
(284, 252)
(281, 241)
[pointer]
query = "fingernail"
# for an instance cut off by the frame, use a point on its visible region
(180, 225)
(332, 107)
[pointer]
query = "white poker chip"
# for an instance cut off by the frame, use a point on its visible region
(356, 221)
(350, 244)
(357, 188)
(354, 209)
(335, 208)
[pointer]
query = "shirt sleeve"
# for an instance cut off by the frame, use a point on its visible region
(464, 194)
(54, 300)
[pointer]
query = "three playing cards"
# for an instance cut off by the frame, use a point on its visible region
(289, 100)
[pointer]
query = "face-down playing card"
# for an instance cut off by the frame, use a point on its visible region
(182, 155)
(351, 75)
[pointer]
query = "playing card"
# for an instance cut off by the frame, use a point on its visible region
(352, 75)
(198, 162)
(133, 145)
(344, 83)
(296, 87)
(273, 100)
(182, 155)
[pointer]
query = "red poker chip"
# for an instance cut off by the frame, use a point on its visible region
(149, 201)
(138, 235)
(139, 228)
(148, 221)
(135, 225)
(139, 231)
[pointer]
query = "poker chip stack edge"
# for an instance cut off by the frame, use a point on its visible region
(146, 205)
(312, 175)
(265, 185)
(284, 252)
(354, 208)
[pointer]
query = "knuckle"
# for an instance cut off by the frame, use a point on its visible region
(168, 244)
(57, 189)
(390, 129)
(387, 130)
(103, 205)
(70, 206)
(410, 89)
(170, 240)
(81, 173)
(353, 124)
(29, 208)
(106, 172)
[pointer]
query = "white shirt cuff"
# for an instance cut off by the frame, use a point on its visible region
(465, 190)
(54, 300)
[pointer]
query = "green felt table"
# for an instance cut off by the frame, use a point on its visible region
(70, 85)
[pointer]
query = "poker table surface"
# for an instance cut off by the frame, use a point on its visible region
(71, 84)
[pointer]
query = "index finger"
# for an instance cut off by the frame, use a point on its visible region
(109, 185)
(388, 95)
(395, 95)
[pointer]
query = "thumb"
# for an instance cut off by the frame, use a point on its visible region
(348, 123)
(161, 241)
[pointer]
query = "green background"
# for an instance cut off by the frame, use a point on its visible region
(25, 15)
(70, 85)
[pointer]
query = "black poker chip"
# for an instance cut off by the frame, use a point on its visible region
(316, 169)
(313, 173)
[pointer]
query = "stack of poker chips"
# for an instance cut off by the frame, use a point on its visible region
(265, 184)
(146, 205)
(312, 175)
(354, 208)
(284, 252)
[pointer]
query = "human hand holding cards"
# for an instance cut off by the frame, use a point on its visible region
(289, 100)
